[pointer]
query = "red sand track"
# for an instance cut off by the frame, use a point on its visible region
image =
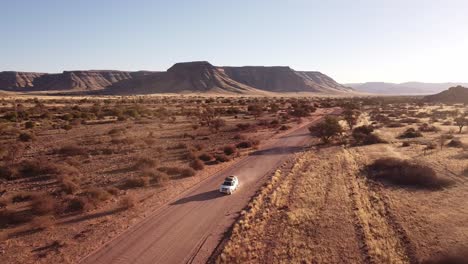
(189, 229)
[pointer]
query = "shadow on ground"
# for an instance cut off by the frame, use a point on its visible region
(278, 151)
(199, 197)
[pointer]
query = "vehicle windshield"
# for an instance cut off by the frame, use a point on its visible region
(228, 183)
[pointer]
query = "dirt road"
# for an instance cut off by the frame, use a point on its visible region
(188, 229)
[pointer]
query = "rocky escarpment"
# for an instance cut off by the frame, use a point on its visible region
(283, 79)
(18, 80)
(80, 80)
(68, 80)
(198, 76)
(458, 94)
(190, 77)
(322, 82)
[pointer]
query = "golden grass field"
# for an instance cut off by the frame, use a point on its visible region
(325, 209)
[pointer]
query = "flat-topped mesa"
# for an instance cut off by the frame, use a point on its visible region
(197, 76)
(15, 80)
(185, 77)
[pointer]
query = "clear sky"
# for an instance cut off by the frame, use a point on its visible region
(350, 40)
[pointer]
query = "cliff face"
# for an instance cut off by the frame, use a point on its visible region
(458, 94)
(14, 80)
(284, 79)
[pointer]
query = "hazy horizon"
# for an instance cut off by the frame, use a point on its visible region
(395, 42)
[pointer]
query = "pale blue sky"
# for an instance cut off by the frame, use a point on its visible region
(352, 41)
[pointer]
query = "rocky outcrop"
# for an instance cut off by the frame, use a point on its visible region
(458, 94)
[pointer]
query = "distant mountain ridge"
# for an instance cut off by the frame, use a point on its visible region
(458, 94)
(198, 77)
(407, 88)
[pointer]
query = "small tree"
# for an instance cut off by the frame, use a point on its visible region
(326, 129)
(461, 121)
(256, 110)
(218, 123)
(351, 117)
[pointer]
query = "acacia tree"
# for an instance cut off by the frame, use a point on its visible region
(461, 121)
(218, 123)
(351, 117)
(327, 129)
(256, 110)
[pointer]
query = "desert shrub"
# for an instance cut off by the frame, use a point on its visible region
(8, 172)
(115, 131)
(410, 133)
(10, 217)
(180, 145)
(243, 126)
(205, 156)
(95, 194)
(405, 144)
(143, 163)
(25, 137)
(244, 144)
(455, 143)
(221, 158)
(447, 123)
(197, 164)
(284, 127)
(35, 168)
(112, 190)
(29, 124)
(238, 136)
(21, 197)
(229, 149)
(465, 171)
(187, 172)
(199, 146)
(127, 202)
(405, 173)
(156, 176)
(274, 122)
(395, 124)
(363, 135)
(123, 140)
(71, 150)
(42, 204)
(69, 186)
(409, 120)
(170, 170)
(425, 127)
(77, 204)
(262, 122)
(430, 146)
(136, 182)
(457, 256)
